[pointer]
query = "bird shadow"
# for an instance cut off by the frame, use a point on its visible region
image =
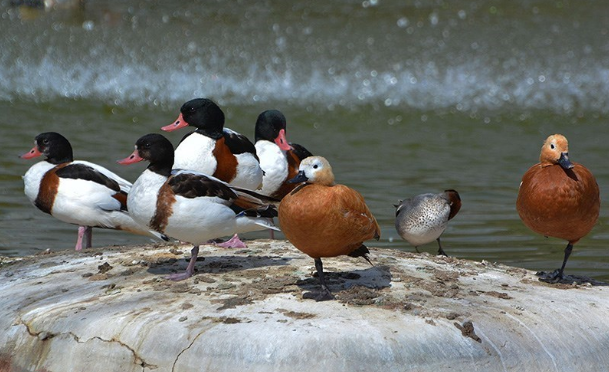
(547, 277)
(356, 286)
(216, 264)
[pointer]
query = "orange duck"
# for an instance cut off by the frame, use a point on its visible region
(558, 198)
(323, 219)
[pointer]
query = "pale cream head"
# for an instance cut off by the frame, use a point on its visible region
(555, 147)
(317, 170)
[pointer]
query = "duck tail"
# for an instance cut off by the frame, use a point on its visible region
(268, 211)
(266, 222)
(162, 236)
(249, 196)
(362, 251)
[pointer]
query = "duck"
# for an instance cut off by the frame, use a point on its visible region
(213, 149)
(324, 219)
(558, 198)
(190, 206)
(279, 159)
(77, 191)
(423, 218)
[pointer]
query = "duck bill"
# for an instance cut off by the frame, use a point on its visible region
(300, 177)
(131, 159)
(177, 124)
(281, 141)
(564, 161)
(33, 153)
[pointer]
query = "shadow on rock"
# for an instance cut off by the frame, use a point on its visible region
(216, 264)
(356, 287)
(551, 278)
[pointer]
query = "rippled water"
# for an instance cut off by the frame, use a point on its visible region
(402, 99)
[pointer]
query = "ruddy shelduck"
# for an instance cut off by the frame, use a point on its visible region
(324, 219)
(558, 198)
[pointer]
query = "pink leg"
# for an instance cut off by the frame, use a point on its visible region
(85, 236)
(81, 233)
(272, 233)
(233, 242)
(190, 269)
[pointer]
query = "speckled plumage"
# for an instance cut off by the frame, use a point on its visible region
(423, 218)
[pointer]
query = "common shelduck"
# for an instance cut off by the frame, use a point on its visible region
(423, 218)
(214, 150)
(324, 219)
(279, 159)
(558, 198)
(76, 191)
(188, 205)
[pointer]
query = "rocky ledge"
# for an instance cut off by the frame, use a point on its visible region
(110, 309)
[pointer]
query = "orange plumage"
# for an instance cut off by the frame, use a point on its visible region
(326, 221)
(558, 198)
(323, 219)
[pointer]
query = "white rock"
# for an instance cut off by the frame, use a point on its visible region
(244, 311)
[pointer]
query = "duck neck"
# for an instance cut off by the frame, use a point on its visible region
(57, 161)
(61, 157)
(211, 132)
(325, 179)
(162, 167)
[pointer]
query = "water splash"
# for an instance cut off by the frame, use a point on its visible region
(425, 58)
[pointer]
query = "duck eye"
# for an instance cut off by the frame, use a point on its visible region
(315, 166)
(552, 146)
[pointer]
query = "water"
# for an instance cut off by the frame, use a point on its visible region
(402, 99)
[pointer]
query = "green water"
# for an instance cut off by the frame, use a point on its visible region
(402, 100)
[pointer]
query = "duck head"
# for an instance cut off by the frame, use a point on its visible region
(314, 169)
(202, 113)
(154, 148)
(53, 146)
(271, 126)
(555, 150)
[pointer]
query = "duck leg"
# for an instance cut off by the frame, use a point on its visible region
(81, 232)
(440, 250)
(190, 269)
(325, 291)
(85, 237)
(568, 251)
(556, 275)
(88, 237)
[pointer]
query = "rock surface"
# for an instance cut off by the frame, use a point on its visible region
(111, 309)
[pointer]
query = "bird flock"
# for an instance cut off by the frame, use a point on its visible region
(216, 183)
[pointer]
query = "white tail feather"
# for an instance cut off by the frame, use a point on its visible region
(265, 222)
